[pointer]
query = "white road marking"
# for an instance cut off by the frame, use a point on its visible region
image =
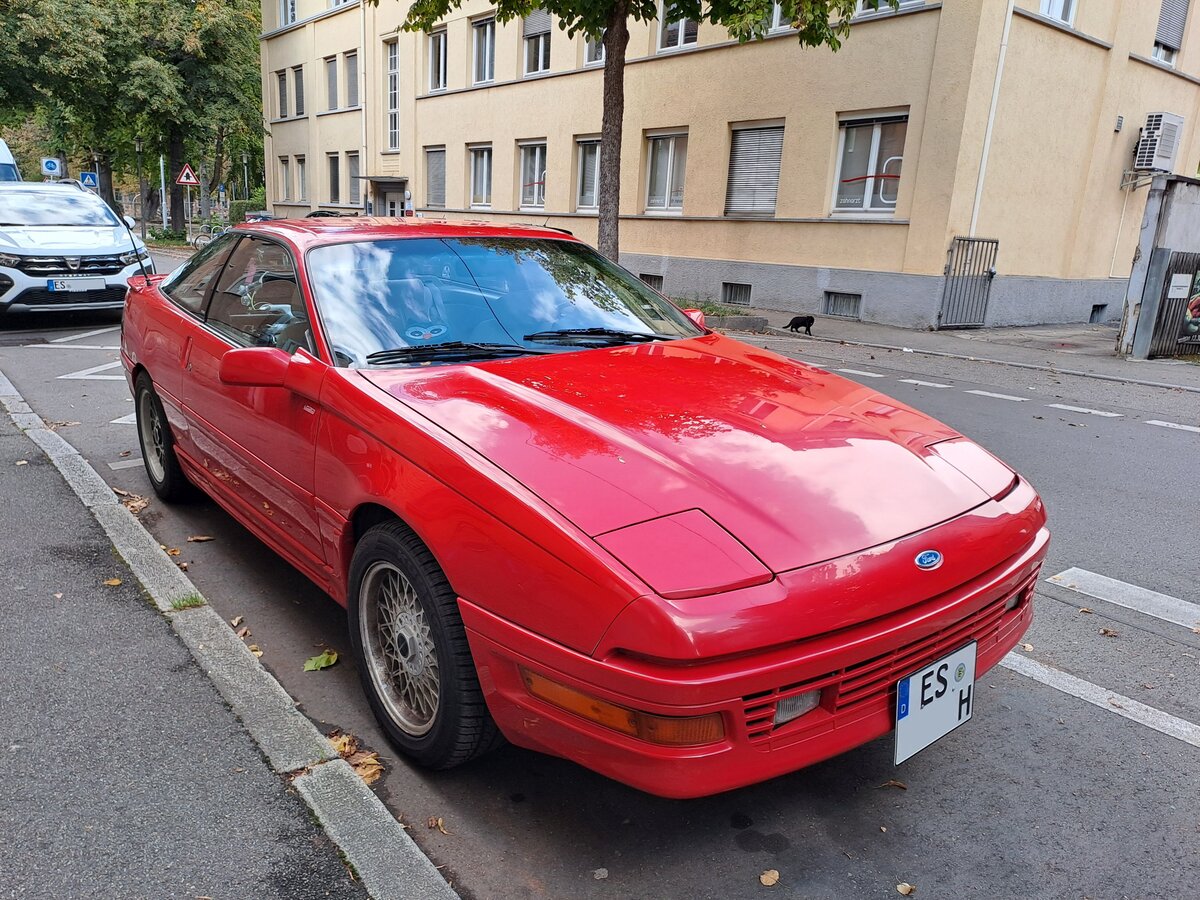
(1131, 709)
(79, 337)
(860, 372)
(918, 381)
(92, 373)
(130, 419)
(1084, 409)
(125, 464)
(72, 346)
(998, 396)
(1173, 425)
(1130, 596)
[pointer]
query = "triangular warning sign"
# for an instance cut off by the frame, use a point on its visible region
(187, 176)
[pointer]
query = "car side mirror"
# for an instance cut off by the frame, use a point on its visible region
(129, 221)
(254, 367)
(696, 315)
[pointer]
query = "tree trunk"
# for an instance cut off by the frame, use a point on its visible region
(104, 176)
(150, 214)
(174, 164)
(205, 196)
(616, 40)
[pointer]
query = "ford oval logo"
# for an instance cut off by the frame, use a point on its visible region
(928, 559)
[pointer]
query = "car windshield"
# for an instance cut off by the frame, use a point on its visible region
(68, 206)
(8, 172)
(391, 302)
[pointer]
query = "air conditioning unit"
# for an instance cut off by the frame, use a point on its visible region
(1159, 144)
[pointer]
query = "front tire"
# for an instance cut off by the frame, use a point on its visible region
(413, 657)
(158, 444)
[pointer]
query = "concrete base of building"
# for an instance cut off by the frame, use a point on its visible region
(888, 298)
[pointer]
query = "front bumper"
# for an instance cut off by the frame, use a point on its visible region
(23, 293)
(856, 670)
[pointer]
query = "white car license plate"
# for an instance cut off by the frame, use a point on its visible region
(75, 284)
(934, 701)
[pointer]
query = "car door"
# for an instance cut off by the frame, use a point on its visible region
(256, 444)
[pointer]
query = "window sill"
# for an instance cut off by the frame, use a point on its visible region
(680, 49)
(396, 152)
(540, 73)
(487, 83)
(663, 213)
(297, 118)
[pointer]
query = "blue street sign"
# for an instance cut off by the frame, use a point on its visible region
(89, 179)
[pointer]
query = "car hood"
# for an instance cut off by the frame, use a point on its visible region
(798, 464)
(67, 240)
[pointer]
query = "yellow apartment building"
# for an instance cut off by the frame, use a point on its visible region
(958, 163)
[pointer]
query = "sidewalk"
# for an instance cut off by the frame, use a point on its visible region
(1073, 349)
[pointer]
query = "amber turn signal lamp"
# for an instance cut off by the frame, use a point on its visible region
(675, 731)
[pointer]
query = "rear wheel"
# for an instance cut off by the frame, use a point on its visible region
(413, 657)
(158, 444)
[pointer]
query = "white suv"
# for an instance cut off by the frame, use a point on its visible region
(62, 248)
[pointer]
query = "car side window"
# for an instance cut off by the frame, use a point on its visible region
(188, 285)
(257, 301)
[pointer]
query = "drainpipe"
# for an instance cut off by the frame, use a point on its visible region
(987, 134)
(364, 185)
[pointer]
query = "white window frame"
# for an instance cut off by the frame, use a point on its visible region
(301, 178)
(281, 93)
(541, 50)
(287, 12)
(593, 52)
(350, 61)
(333, 166)
(483, 42)
(664, 23)
(883, 210)
(670, 136)
(285, 179)
(298, 98)
(473, 152)
(580, 144)
(1059, 10)
(884, 7)
(437, 60)
(1164, 54)
(331, 96)
(538, 149)
(428, 199)
(777, 23)
(391, 90)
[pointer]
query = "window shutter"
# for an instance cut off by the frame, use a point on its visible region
(537, 22)
(754, 158)
(1170, 23)
(436, 175)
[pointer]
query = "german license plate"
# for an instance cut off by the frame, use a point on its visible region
(934, 701)
(75, 284)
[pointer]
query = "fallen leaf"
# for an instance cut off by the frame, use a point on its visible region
(1196, 630)
(346, 745)
(322, 661)
(600, 874)
(769, 878)
(367, 765)
(883, 828)
(183, 567)
(253, 648)
(1115, 703)
(1028, 648)
(55, 425)
(892, 782)
(1086, 609)
(1148, 687)
(1109, 632)
(243, 632)
(58, 596)
(173, 551)
(22, 462)
(121, 493)
(124, 453)
(200, 538)
(134, 503)
(436, 822)
(905, 888)
(112, 582)
(237, 620)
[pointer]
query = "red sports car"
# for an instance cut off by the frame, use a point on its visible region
(560, 510)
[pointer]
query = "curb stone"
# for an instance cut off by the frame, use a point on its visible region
(386, 859)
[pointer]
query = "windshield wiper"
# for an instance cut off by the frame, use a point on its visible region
(448, 350)
(611, 335)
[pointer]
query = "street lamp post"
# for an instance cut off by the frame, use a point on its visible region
(137, 143)
(246, 175)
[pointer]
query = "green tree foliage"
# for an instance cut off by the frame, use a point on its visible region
(816, 22)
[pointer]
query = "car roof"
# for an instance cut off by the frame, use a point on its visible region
(41, 186)
(315, 232)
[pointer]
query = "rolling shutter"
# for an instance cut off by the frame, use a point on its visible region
(754, 157)
(1170, 23)
(435, 161)
(537, 22)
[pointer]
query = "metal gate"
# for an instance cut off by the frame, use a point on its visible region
(1172, 330)
(970, 268)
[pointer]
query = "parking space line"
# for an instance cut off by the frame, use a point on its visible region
(92, 374)
(1173, 425)
(921, 383)
(1130, 596)
(998, 396)
(860, 372)
(1128, 708)
(130, 419)
(125, 464)
(81, 336)
(1084, 409)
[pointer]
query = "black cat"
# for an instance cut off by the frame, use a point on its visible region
(805, 322)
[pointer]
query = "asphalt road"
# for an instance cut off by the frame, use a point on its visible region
(1042, 795)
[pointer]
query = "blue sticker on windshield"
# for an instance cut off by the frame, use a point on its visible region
(902, 700)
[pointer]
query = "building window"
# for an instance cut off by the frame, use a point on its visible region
(664, 180)
(484, 32)
(589, 175)
(677, 33)
(352, 172)
(285, 180)
(778, 22)
(593, 52)
(654, 281)
(1172, 17)
(281, 91)
(392, 88)
(481, 176)
(533, 176)
(287, 12)
(331, 91)
(335, 179)
(1062, 10)
(735, 294)
(754, 158)
(351, 80)
(435, 176)
(847, 306)
(537, 42)
(880, 7)
(870, 155)
(298, 88)
(437, 61)
(301, 179)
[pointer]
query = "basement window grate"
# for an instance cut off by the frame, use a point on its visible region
(655, 281)
(735, 294)
(847, 306)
